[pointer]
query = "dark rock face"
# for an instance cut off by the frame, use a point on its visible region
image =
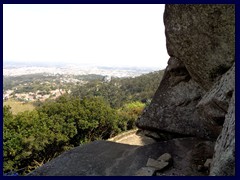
(194, 95)
(215, 103)
(224, 158)
(173, 105)
(105, 158)
(203, 38)
(185, 108)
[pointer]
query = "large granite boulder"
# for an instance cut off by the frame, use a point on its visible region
(215, 103)
(200, 42)
(203, 38)
(194, 96)
(224, 157)
(173, 108)
(105, 158)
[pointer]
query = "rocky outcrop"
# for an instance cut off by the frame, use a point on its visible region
(106, 158)
(153, 166)
(215, 103)
(200, 41)
(224, 158)
(173, 108)
(203, 38)
(194, 95)
(195, 99)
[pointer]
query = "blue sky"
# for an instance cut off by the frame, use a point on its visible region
(113, 35)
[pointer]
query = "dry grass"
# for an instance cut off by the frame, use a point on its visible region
(17, 106)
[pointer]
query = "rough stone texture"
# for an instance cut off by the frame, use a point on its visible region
(151, 134)
(203, 38)
(158, 165)
(200, 41)
(173, 108)
(201, 152)
(165, 157)
(201, 168)
(145, 171)
(194, 94)
(101, 158)
(224, 158)
(214, 104)
(207, 164)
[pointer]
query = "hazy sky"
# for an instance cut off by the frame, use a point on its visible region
(131, 35)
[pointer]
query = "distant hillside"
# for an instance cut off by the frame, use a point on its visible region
(118, 91)
(99, 107)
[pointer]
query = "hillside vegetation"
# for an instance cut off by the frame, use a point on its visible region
(122, 90)
(93, 111)
(17, 106)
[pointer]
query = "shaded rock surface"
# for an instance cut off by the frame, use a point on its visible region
(173, 108)
(114, 159)
(224, 158)
(159, 165)
(195, 99)
(203, 38)
(165, 157)
(194, 95)
(215, 103)
(154, 166)
(200, 42)
(207, 164)
(145, 171)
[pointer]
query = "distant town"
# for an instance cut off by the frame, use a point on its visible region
(26, 83)
(18, 70)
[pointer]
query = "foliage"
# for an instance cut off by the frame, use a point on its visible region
(38, 135)
(96, 110)
(120, 91)
(42, 82)
(128, 114)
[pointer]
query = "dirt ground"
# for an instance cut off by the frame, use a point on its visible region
(137, 139)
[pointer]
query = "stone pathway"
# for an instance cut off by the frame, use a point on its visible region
(133, 138)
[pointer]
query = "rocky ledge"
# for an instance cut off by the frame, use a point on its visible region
(106, 158)
(195, 100)
(196, 95)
